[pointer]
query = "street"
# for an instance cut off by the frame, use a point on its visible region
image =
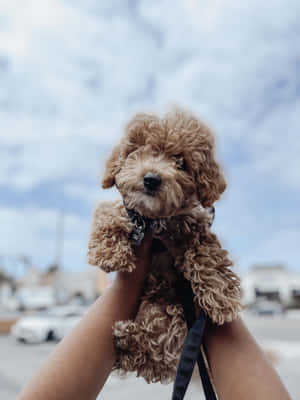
(279, 336)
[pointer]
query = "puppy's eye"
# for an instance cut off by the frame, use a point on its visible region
(180, 163)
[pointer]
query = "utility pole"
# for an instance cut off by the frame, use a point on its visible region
(59, 239)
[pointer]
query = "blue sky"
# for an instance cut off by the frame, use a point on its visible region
(73, 72)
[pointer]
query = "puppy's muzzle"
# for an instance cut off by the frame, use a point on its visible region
(152, 182)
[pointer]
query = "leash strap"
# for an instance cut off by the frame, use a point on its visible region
(192, 350)
(208, 388)
(190, 353)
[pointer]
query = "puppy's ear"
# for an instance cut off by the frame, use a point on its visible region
(136, 131)
(133, 138)
(113, 166)
(210, 180)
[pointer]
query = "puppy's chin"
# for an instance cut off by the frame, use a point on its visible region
(152, 205)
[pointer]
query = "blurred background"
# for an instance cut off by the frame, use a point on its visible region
(71, 74)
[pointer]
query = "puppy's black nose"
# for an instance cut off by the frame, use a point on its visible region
(152, 181)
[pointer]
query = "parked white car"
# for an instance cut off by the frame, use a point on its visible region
(66, 325)
(52, 325)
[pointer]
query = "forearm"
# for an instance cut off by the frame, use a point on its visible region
(80, 364)
(239, 368)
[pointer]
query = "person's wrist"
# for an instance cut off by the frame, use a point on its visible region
(128, 280)
(133, 280)
(230, 331)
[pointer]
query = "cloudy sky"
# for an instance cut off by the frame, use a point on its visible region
(73, 71)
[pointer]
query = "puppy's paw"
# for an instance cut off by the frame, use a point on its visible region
(109, 247)
(112, 254)
(127, 335)
(227, 314)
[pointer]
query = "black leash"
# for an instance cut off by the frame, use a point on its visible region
(191, 351)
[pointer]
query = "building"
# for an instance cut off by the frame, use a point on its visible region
(275, 283)
(84, 285)
(38, 289)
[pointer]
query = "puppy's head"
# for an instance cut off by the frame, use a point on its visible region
(164, 166)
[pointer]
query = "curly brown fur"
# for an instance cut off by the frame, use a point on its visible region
(215, 285)
(108, 245)
(151, 344)
(180, 150)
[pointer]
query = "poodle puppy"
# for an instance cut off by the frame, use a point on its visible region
(166, 172)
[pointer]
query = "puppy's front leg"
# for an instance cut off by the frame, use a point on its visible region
(216, 287)
(109, 247)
